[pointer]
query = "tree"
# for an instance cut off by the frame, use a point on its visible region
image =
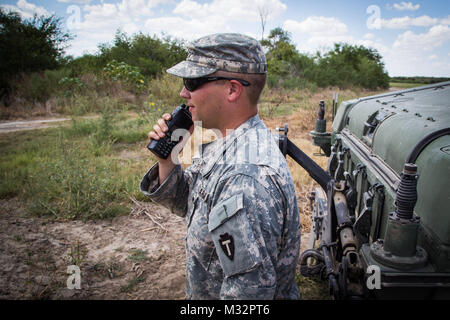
(352, 65)
(285, 65)
(345, 65)
(150, 54)
(29, 45)
(263, 13)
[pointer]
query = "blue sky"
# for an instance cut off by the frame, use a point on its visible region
(412, 36)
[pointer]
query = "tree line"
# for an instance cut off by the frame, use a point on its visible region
(35, 46)
(417, 79)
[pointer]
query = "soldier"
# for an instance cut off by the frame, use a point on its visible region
(238, 198)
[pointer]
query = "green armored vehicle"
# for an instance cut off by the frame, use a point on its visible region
(381, 218)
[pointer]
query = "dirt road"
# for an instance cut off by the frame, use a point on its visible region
(11, 126)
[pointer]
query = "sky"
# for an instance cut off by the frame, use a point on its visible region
(412, 36)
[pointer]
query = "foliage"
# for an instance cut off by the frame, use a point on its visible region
(150, 55)
(71, 85)
(28, 45)
(68, 173)
(344, 66)
(349, 65)
(421, 80)
(73, 187)
(126, 74)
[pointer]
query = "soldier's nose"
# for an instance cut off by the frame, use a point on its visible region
(185, 94)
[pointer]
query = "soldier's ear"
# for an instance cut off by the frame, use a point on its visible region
(234, 90)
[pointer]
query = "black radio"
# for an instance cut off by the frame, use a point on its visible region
(181, 119)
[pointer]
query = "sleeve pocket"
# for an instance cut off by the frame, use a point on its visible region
(233, 236)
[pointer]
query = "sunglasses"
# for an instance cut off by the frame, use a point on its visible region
(194, 84)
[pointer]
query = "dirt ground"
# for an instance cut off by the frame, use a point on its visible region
(129, 257)
(139, 256)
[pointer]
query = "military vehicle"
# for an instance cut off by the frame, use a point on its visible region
(381, 216)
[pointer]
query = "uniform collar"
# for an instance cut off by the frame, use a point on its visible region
(210, 153)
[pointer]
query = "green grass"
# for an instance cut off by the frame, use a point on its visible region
(75, 172)
(405, 85)
(138, 255)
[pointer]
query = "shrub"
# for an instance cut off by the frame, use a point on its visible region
(73, 185)
(126, 74)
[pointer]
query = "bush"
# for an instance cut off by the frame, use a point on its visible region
(39, 86)
(150, 54)
(28, 46)
(344, 66)
(165, 91)
(125, 74)
(72, 85)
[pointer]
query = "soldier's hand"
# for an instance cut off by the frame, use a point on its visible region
(160, 127)
(159, 131)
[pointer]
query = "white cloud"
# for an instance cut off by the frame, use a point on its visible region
(194, 19)
(406, 22)
(410, 54)
(415, 53)
(435, 37)
(100, 22)
(26, 9)
(186, 29)
(446, 20)
(317, 26)
(229, 9)
(315, 33)
(140, 7)
(406, 6)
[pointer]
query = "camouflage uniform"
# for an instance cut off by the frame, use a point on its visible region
(239, 202)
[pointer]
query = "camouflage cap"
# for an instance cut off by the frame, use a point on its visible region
(231, 52)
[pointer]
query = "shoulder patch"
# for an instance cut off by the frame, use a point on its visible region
(225, 210)
(233, 236)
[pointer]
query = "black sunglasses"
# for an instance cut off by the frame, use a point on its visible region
(194, 84)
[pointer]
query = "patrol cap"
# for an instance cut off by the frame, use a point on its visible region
(231, 52)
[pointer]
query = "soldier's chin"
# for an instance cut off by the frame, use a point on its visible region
(194, 114)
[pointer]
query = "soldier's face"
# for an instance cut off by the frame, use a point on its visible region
(205, 103)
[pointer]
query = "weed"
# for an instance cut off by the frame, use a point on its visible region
(132, 283)
(77, 253)
(110, 269)
(138, 255)
(72, 186)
